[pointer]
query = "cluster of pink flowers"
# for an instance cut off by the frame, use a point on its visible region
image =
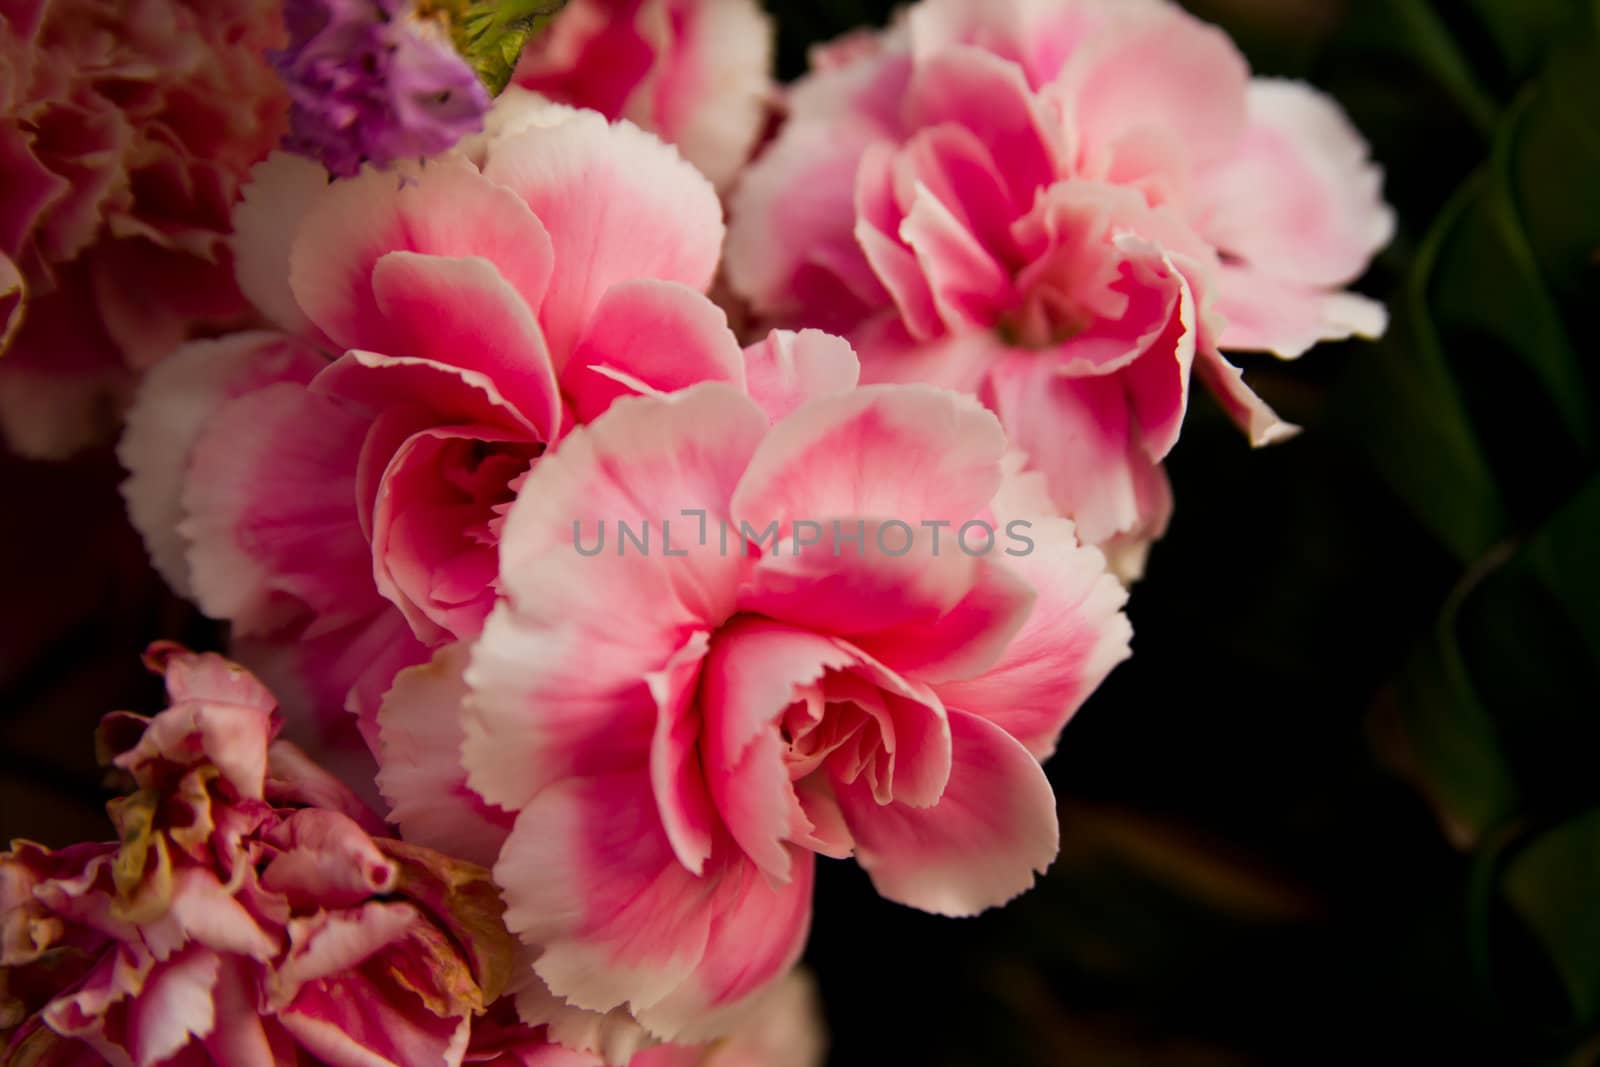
(1028, 226)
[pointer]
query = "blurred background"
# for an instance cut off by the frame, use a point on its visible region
(1344, 803)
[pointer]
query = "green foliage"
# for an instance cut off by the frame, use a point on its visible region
(491, 34)
(1480, 411)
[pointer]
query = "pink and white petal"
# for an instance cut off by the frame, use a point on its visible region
(1038, 35)
(273, 202)
(588, 874)
(786, 369)
(464, 313)
(242, 1041)
(649, 336)
(618, 204)
(1299, 199)
(13, 300)
(750, 677)
(1079, 433)
(989, 97)
(890, 355)
(371, 382)
(757, 933)
(1158, 381)
(1162, 69)
(968, 638)
(889, 576)
(328, 943)
(958, 170)
(676, 774)
(174, 1008)
(980, 845)
(325, 860)
(420, 733)
(1252, 414)
(879, 224)
(970, 288)
(1073, 637)
(270, 500)
(445, 209)
(793, 213)
(609, 1037)
(909, 453)
(356, 1024)
(711, 98)
(1265, 314)
(175, 403)
(558, 678)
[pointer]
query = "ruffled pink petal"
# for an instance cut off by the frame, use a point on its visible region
(618, 204)
(433, 544)
(980, 845)
(446, 209)
(589, 874)
(786, 369)
(890, 453)
(1254, 417)
(175, 1007)
(1160, 69)
(792, 249)
(420, 734)
(1080, 433)
(1071, 639)
(373, 381)
(709, 90)
(327, 943)
(750, 678)
(557, 677)
(464, 313)
(649, 336)
(13, 298)
(879, 233)
(1266, 314)
(270, 500)
(1299, 199)
(325, 860)
(151, 299)
(1038, 35)
(990, 98)
(175, 403)
(676, 776)
(279, 194)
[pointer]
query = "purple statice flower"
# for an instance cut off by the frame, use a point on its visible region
(370, 82)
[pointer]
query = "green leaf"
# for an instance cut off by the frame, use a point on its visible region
(1451, 739)
(491, 34)
(1554, 885)
(1414, 28)
(1523, 30)
(1402, 402)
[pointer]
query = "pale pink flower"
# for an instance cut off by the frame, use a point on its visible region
(125, 130)
(1068, 207)
(245, 916)
(679, 732)
(336, 490)
(696, 72)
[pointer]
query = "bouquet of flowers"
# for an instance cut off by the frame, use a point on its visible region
(624, 481)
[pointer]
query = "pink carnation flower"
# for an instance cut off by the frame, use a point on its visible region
(125, 130)
(679, 731)
(336, 490)
(246, 915)
(1067, 207)
(696, 72)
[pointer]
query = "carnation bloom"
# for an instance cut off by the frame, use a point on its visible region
(696, 72)
(125, 130)
(336, 490)
(1067, 207)
(373, 82)
(246, 915)
(679, 731)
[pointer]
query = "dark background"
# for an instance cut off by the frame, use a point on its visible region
(1341, 804)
